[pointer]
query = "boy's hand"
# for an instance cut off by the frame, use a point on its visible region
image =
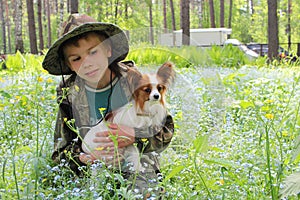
(119, 134)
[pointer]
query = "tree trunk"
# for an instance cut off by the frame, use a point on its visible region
(126, 10)
(288, 28)
(116, 11)
(173, 21)
(230, 14)
(8, 26)
(31, 26)
(272, 30)
(165, 16)
(56, 6)
(3, 27)
(200, 13)
(173, 15)
(151, 24)
(61, 15)
(49, 40)
(252, 7)
(40, 25)
(101, 15)
(212, 14)
(19, 44)
(74, 6)
(222, 24)
(185, 18)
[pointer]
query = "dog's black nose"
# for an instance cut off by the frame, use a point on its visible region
(156, 96)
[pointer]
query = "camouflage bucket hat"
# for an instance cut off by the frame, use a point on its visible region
(78, 24)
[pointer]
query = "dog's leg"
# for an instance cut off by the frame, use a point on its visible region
(132, 157)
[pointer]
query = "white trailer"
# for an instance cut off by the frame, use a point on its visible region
(198, 37)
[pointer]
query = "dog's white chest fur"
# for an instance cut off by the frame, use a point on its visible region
(153, 115)
(129, 116)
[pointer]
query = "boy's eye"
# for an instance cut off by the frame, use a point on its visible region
(93, 52)
(75, 59)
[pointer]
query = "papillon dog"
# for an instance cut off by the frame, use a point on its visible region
(147, 109)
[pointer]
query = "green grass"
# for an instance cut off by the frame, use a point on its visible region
(227, 56)
(236, 127)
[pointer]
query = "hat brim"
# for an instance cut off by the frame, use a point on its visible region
(53, 62)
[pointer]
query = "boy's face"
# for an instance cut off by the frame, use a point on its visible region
(89, 59)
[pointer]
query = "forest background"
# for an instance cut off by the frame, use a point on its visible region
(31, 26)
(237, 123)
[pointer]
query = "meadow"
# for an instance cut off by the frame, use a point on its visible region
(236, 129)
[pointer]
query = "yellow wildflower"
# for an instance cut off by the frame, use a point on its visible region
(65, 119)
(43, 98)
(269, 116)
(144, 139)
(49, 80)
(1, 80)
(53, 97)
(102, 110)
(18, 97)
(40, 79)
(285, 133)
(221, 181)
(268, 101)
(28, 108)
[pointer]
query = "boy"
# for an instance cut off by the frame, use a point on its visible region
(91, 52)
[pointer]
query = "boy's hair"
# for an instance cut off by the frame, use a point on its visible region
(103, 39)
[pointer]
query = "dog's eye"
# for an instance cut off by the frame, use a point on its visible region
(148, 90)
(159, 87)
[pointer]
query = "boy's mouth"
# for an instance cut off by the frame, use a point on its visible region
(91, 73)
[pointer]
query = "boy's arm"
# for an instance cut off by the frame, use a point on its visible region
(161, 137)
(67, 145)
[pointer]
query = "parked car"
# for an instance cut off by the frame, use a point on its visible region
(249, 52)
(254, 50)
(262, 50)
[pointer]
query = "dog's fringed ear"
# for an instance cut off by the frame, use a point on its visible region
(166, 73)
(134, 77)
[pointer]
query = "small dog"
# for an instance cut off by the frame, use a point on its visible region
(146, 110)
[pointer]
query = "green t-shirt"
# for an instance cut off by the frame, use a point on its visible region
(98, 99)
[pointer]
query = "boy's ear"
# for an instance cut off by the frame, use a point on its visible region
(109, 51)
(107, 45)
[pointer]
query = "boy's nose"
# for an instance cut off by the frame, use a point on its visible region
(86, 63)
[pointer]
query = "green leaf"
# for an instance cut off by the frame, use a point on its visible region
(246, 104)
(175, 171)
(5, 94)
(201, 144)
